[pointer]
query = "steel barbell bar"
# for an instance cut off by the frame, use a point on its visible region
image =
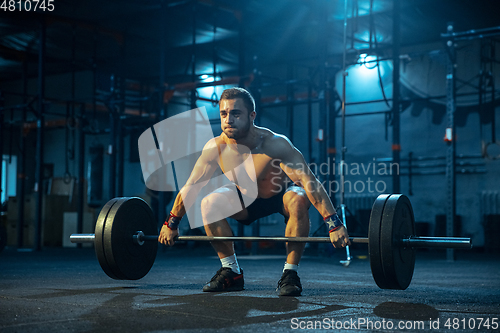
(128, 254)
(413, 241)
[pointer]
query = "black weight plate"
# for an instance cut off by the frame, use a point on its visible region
(126, 258)
(99, 241)
(398, 222)
(374, 241)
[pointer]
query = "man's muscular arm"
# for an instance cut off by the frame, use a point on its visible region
(202, 172)
(295, 166)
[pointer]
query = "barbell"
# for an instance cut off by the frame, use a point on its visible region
(126, 240)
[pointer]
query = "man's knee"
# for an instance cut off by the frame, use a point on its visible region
(211, 204)
(296, 203)
(219, 205)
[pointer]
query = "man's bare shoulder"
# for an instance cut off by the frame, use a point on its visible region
(211, 149)
(214, 142)
(275, 144)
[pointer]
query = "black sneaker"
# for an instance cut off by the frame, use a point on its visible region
(289, 284)
(225, 280)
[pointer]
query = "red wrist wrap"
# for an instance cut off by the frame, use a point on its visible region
(172, 222)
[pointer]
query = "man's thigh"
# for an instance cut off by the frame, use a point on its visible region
(228, 203)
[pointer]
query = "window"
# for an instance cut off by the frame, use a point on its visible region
(9, 172)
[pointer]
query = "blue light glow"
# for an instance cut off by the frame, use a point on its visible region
(363, 84)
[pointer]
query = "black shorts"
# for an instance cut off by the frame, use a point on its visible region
(263, 207)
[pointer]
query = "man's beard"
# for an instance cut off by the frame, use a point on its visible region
(239, 133)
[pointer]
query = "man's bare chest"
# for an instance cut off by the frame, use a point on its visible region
(252, 162)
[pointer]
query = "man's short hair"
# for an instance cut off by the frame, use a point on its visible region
(237, 92)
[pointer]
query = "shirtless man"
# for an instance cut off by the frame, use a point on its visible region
(276, 162)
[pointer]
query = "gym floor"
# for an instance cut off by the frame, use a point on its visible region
(65, 290)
